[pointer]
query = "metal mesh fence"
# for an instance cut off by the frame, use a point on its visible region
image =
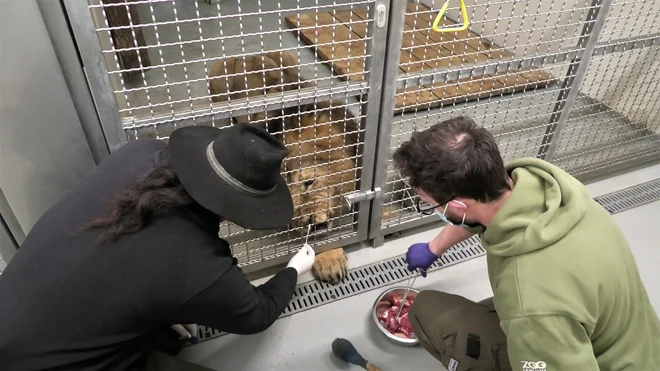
(630, 18)
(298, 67)
(530, 72)
(469, 74)
(615, 117)
(609, 118)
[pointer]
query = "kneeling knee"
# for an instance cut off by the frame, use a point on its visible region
(423, 303)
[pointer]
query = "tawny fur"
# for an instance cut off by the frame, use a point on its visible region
(251, 76)
(323, 145)
(323, 142)
(330, 266)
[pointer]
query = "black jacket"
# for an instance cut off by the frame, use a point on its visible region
(66, 303)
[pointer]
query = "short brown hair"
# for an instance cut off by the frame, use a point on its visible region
(453, 158)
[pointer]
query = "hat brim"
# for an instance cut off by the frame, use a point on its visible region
(187, 148)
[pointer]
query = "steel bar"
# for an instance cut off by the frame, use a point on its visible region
(391, 71)
(577, 70)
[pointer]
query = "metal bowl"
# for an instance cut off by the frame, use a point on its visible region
(395, 339)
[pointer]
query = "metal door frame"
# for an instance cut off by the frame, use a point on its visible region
(113, 126)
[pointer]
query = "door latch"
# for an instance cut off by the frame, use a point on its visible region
(360, 196)
(381, 15)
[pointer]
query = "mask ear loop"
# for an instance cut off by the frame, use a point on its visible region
(464, 213)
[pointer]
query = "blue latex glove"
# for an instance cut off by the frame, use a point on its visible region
(419, 256)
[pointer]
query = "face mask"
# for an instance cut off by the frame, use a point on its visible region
(444, 218)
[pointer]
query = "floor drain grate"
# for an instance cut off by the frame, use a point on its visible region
(632, 197)
(366, 278)
(369, 277)
(372, 276)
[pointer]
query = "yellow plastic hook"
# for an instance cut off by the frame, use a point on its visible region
(443, 10)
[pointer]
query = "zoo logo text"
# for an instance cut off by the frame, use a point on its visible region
(533, 366)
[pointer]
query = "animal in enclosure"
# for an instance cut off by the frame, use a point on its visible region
(251, 76)
(325, 145)
(324, 142)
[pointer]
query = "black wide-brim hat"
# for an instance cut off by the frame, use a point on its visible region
(234, 172)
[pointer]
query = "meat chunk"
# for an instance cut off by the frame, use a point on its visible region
(382, 307)
(404, 325)
(387, 310)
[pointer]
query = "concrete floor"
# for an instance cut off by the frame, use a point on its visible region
(302, 341)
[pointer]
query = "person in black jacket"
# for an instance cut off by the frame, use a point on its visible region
(134, 250)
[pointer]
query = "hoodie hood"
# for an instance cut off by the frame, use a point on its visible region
(545, 204)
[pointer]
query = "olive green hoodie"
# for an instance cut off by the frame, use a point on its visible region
(566, 286)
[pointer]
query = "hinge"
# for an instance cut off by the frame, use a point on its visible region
(360, 196)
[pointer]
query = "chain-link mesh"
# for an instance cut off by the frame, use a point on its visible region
(302, 68)
(631, 18)
(515, 105)
(177, 63)
(615, 117)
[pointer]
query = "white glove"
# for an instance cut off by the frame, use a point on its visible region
(188, 331)
(303, 260)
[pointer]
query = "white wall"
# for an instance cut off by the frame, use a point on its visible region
(43, 150)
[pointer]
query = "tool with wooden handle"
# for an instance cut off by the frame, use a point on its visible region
(344, 350)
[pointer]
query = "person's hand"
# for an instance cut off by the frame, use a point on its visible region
(188, 331)
(419, 256)
(303, 260)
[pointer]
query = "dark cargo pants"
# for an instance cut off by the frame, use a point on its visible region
(461, 334)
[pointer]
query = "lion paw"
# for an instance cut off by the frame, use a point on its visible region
(330, 266)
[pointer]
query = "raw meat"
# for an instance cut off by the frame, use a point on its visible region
(387, 308)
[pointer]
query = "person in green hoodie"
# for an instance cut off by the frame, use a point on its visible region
(567, 294)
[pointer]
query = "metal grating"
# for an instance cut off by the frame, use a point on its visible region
(514, 102)
(630, 198)
(170, 64)
(525, 73)
(313, 294)
(363, 279)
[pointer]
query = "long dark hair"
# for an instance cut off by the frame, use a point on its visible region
(159, 192)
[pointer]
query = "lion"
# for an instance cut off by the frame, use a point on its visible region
(317, 188)
(251, 76)
(325, 146)
(324, 143)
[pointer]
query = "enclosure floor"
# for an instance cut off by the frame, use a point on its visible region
(167, 88)
(183, 86)
(302, 341)
(342, 45)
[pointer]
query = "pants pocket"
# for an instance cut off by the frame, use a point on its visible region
(466, 355)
